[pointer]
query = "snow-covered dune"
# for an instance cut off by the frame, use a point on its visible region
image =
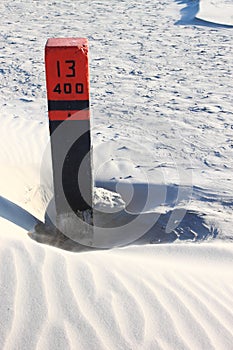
(162, 297)
(162, 131)
(216, 11)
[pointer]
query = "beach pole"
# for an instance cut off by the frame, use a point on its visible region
(67, 78)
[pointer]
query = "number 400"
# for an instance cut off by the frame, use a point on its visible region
(68, 88)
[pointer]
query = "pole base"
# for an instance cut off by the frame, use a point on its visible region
(69, 237)
(77, 226)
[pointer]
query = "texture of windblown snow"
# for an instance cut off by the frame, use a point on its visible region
(134, 298)
(216, 11)
(161, 99)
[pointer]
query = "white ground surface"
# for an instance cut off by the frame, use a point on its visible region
(215, 11)
(161, 92)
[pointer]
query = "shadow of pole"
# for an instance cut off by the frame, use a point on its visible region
(17, 215)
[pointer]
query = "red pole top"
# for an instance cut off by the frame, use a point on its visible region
(67, 42)
(67, 77)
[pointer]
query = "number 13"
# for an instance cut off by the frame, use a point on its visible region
(71, 68)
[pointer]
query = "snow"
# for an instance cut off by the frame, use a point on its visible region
(220, 12)
(161, 106)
